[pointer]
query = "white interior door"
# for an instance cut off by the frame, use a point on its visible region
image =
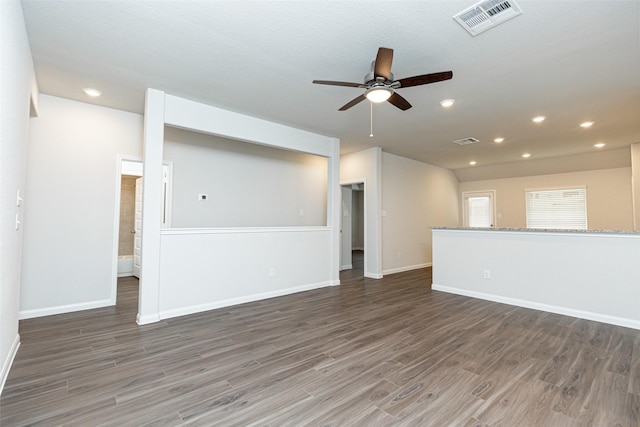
(346, 262)
(137, 238)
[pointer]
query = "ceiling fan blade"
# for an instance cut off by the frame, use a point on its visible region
(425, 79)
(383, 63)
(352, 103)
(399, 101)
(332, 83)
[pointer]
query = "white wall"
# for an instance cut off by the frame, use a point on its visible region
(17, 87)
(415, 197)
(588, 275)
(211, 268)
(72, 180)
(366, 166)
(247, 185)
(609, 196)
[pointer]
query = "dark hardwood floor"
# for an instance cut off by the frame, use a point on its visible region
(366, 353)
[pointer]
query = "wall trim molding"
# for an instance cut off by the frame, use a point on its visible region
(407, 268)
(61, 309)
(183, 311)
(6, 366)
(588, 315)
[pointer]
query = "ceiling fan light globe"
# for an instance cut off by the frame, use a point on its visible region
(378, 94)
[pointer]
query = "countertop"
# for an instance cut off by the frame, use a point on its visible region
(540, 230)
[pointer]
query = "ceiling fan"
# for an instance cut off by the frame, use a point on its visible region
(380, 86)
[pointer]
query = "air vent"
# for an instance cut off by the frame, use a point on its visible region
(466, 141)
(487, 14)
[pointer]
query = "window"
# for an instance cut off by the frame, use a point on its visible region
(564, 209)
(478, 209)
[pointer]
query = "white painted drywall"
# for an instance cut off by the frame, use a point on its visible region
(206, 269)
(246, 185)
(588, 275)
(609, 196)
(366, 166)
(72, 181)
(17, 88)
(415, 197)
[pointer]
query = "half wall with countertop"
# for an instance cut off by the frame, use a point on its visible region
(587, 274)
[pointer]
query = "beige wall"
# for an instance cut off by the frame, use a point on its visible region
(609, 201)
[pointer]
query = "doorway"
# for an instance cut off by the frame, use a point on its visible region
(352, 235)
(128, 246)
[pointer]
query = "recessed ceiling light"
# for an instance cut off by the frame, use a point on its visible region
(472, 163)
(92, 92)
(586, 124)
(538, 119)
(498, 140)
(599, 145)
(446, 103)
(526, 155)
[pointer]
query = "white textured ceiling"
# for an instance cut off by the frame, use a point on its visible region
(568, 60)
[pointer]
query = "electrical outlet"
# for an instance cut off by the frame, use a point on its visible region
(487, 274)
(272, 272)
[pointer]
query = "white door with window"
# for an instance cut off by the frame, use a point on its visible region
(479, 209)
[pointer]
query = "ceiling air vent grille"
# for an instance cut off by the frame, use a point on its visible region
(466, 141)
(487, 14)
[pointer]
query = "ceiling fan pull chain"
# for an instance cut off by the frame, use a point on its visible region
(371, 117)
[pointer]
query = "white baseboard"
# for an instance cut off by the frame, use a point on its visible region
(373, 275)
(407, 268)
(588, 315)
(6, 365)
(183, 311)
(346, 267)
(145, 320)
(125, 274)
(48, 311)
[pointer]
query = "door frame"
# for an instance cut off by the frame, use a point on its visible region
(166, 223)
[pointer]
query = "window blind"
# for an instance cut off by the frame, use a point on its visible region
(564, 209)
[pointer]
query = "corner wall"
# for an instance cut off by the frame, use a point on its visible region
(415, 197)
(18, 90)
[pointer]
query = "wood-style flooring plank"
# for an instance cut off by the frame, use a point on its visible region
(388, 352)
